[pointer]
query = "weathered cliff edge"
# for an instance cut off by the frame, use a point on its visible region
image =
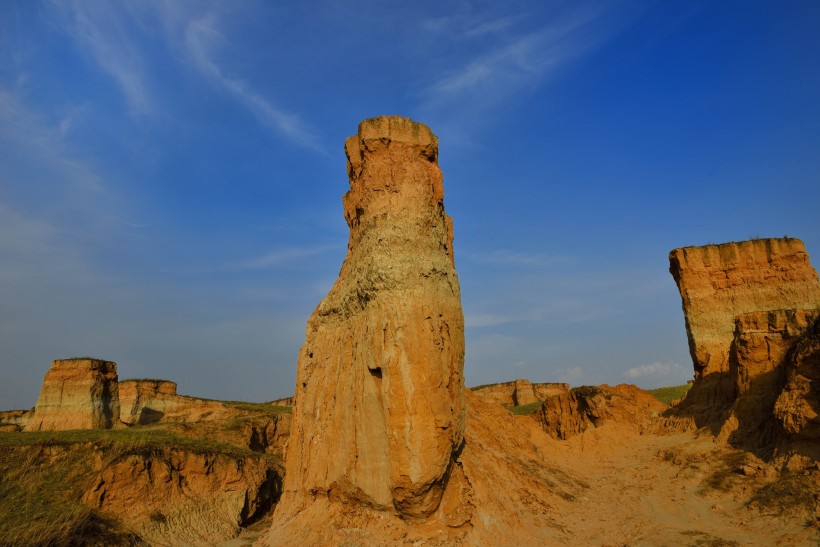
(150, 401)
(719, 282)
(80, 393)
(379, 414)
(746, 305)
(519, 392)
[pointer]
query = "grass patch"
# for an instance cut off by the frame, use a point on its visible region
(482, 386)
(526, 410)
(135, 440)
(40, 500)
(670, 393)
(244, 405)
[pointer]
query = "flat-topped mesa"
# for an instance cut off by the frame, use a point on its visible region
(719, 282)
(379, 406)
(79, 393)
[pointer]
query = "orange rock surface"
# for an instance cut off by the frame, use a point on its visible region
(180, 497)
(568, 414)
(519, 392)
(379, 413)
(719, 282)
(77, 394)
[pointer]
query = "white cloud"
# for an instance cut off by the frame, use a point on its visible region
(656, 369)
(569, 375)
(102, 31)
(513, 61)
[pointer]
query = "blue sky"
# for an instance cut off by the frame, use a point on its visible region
(171, 174)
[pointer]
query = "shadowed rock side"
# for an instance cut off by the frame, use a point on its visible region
(77, 394)
(379, 414)
(798, 405)
(758, 370)
(719, 282)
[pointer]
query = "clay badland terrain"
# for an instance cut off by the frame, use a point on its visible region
(383, 445)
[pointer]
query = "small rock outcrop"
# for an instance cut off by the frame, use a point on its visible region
(140, 399)
(380, 413)
(519, 392)
(80, 393)
(568, 414)
(14, 420)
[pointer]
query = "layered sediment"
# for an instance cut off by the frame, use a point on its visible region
(379, 405)
(750, 310)
(77, 393)
(719, 282)
(519, 392)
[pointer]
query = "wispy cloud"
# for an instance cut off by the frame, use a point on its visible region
(656, 369)
(501, 57)
(202, 38)
(280, 256)
(102, 30)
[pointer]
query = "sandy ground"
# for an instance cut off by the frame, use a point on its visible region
(681, 489)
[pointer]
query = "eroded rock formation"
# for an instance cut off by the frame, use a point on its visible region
(749, 307)
(568, 414)
(758, 369)
(797, 407)
(77, 393)
(185, 497)
(519, 392)
(379, 414)
(719, 282)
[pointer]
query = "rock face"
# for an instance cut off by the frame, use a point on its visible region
(719, 282)
(139, 400)
(77, 394)
(751, 309)
(568, 414)
(379, 414)
(185, 497)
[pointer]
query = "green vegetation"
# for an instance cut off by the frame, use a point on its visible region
(40, 503)
(526, 410)
(670, 393)
(136, 440)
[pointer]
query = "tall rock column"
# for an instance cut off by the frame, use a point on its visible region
(379, 414)
(719, 282)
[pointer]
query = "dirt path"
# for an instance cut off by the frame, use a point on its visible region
(680, 489)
